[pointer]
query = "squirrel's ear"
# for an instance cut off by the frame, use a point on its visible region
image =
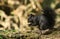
(31, 15)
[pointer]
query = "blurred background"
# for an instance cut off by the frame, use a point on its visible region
(14, 19)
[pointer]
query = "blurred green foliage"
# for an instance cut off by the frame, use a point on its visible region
(47, 3)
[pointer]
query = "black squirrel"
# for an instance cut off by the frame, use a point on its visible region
(45, 20)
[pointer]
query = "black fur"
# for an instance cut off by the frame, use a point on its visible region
(44, 21)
